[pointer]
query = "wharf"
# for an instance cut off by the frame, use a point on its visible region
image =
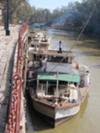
(7, 50)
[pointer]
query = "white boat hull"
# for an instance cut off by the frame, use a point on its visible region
(62, 113)
(54, 115)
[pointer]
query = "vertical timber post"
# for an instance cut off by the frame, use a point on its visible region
(7, 19)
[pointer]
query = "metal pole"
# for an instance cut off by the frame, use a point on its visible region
(57, 86)
(7, 19)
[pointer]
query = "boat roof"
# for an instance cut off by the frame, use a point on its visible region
(59, 67)
(61, 77)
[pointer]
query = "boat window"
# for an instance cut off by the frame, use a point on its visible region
(37, 57)
(42, 85)
(52, 83)
(62, 82)
(42, 82)
(51, 87)
(63, 85)
(32, 45)
(58, 59)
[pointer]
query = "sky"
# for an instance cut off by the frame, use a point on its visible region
(50, 4)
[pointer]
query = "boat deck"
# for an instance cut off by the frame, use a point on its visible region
(54, 53)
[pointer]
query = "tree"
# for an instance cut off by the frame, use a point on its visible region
(19, 10)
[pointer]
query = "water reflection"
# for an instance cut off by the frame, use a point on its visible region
(35, 122)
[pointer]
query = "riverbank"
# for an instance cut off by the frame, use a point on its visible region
(7, 49)
(77, 32)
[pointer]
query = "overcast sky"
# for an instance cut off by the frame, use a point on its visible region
(50, 4)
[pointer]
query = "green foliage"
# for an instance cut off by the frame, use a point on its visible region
(85, 8)
(73, 16)
(40, 15)
(77, 14)
(20, 10)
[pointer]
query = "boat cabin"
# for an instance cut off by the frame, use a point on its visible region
(57, 85)
(52, 56)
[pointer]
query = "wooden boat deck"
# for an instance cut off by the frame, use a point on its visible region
(54, 53)
(59, 105)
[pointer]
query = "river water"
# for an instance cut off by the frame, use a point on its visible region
(87, 51)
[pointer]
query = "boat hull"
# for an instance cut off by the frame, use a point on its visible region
(53, 115)
(56, 115)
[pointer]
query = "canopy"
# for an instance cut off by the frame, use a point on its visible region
(61, 77)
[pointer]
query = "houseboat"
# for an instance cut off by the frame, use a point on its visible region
(57, 85)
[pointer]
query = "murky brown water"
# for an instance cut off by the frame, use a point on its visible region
(88, 119)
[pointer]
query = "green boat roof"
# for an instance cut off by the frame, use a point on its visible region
(60, 77)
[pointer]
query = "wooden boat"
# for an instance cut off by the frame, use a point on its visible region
(39, 42)
(57, 85)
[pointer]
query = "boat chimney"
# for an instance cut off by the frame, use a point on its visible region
(60, 49)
